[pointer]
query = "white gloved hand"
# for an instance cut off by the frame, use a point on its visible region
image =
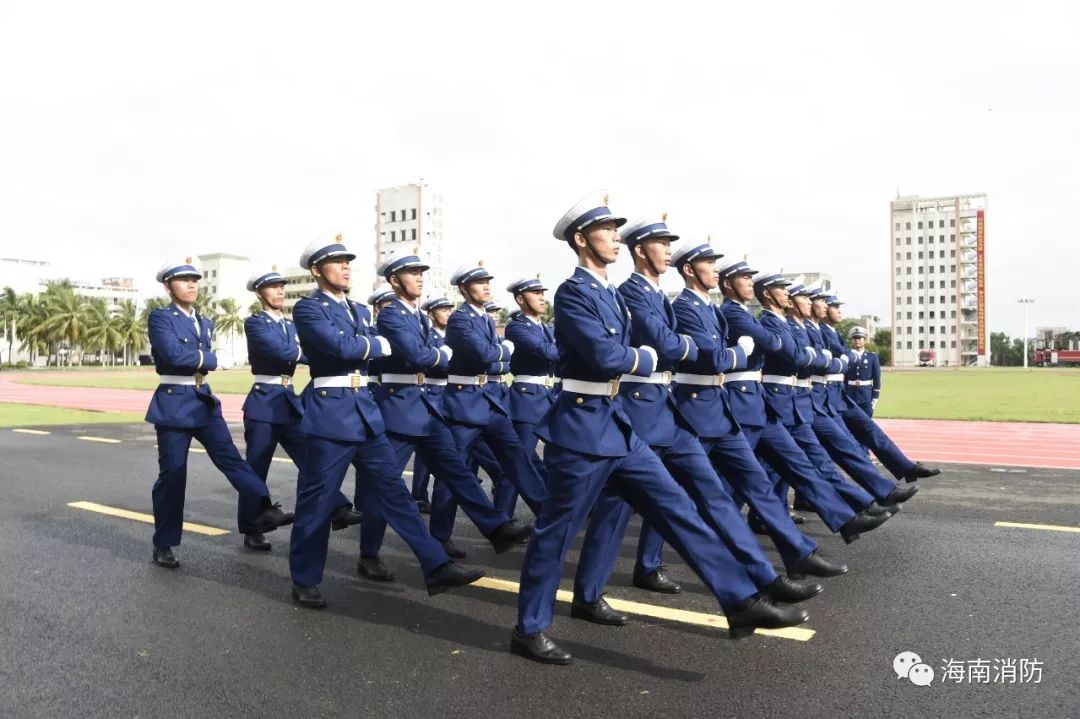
(651, 352)
(812, 351)
(827, 354)
(384, 345)
(873, 403)
(747, 344)
(509, 347)
(844, 359)
(225, 362)
(449, 353)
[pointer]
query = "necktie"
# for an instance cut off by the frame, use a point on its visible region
(284, 329)
(195, 321)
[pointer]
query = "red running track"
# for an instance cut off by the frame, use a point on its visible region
(1011, 444)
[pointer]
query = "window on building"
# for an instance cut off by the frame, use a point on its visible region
(908, 301)
(951, 299)
(921, 315)
(952, 222)
(932, 343)
(393, 215)
(953, 344)
(898, 271)
(897, 256)
(414, 235)
(898, 285)
(931, 284)
(931, 299)
(909, 330)
(897, 241)
(898, 315)
(920, 225)
(952, 268)
(899, 344)
(941, 223)
(952, 314)
(941, 238)
(921, 302)
(952, 253)
(393, 235)
(943, 329)
(909, 285)
(909, 315)
(907, 270)
(919, 268)
(931, 314)
(414, 213)
(952, 283)
(909, 345)
(907, 240)
(898, 225)
(907, 225)
(920, 285)
(931, 329)
(909, 255)
(931, 269)
(920, 239)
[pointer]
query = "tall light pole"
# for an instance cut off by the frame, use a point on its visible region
(1025, 302)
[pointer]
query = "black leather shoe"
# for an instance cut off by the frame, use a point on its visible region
(921, 471)
(862, 522)
(451, 575)
(165, 558)
(257, 542)
(791, 591)
(758, 612)
(599, 613)
(309, 597)
(796, 517)
(902, 493)
(757, 526)
(539, 648)
(657, 581)
(875, 509)
(802, 505)
(374, 569)
(816, 565)
(508, 534)
(271, 518)
(424, 506)
(453, 551)
(344, 517)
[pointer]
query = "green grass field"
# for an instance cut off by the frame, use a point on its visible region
(32, 415)
(994, 394)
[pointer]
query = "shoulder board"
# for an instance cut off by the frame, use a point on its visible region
(575, 279)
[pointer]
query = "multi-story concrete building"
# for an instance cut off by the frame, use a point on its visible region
(225, 277)
(937, 250)
(299, 283)
(411, 216)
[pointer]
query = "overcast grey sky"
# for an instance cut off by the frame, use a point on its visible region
(130, 131)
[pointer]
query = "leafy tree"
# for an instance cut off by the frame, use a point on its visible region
(882, 344)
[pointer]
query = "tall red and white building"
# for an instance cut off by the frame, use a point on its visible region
(937, 249)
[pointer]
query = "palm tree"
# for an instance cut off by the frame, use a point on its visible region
(13, 307)
(67, 318)
(102, 334)
(30, 326)
(255, 307)
(229, 323)
(131, 328)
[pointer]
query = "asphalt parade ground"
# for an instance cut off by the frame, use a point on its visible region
(979, 573)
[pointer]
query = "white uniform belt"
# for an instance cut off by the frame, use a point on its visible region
(282, 379)
(654, 378)
(195, 380)
(834, 378)
(802, 383)
(435, 381)
(701, 380)
(789, 380)
(478, 380)
(355, 381)
(543, 380)
(861, 382)
(818, 379)
(754, 376)
(391, 378)
(599, 389)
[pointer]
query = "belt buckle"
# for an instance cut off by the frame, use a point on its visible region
(481, 380)
(285, 379)
(420, 378)
(719, 379)
(613, 388)
(354, 381)
(200, 380)
(549, 382)
(666, 377)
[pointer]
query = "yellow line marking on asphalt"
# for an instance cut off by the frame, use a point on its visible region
(105, 440)
(148, 518)
(1046, 527)
(31, 431)
(196, 449)
(684, 616)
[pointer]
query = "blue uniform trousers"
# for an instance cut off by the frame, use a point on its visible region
(505, 494)
(318, 497)
(421, 479)
(575, 483)
(168, 493)
(518, 470)
(846, 452)
(439, 452)
(783, 451)
(870, 435)
(688, 464)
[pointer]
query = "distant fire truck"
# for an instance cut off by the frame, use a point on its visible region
(1057, 358)
(927, 358)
